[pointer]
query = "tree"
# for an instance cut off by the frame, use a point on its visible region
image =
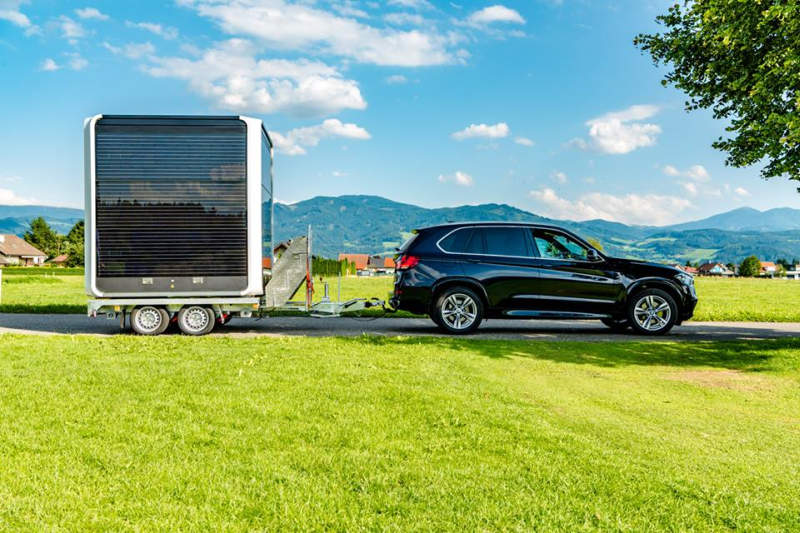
(750, 267)
(74, 241)
(41, 236)
(781, 272)
(740, 59)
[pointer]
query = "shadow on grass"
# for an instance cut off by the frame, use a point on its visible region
(745, 355)
(60, 309)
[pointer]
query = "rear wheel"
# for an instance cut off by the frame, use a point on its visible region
(196, 320)
(458, 311)
(616, 324)
(149, 320)
(652, 312)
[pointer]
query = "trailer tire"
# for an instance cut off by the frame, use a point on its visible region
(149, 320)
(196, 320)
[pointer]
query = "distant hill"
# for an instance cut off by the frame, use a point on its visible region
(747, 219)
(15, 218)
(371, 224)
(376, 225)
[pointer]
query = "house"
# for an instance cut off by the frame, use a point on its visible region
(16, 251)
(58, 261)
(768, 269)
(714, 269)
(793, 272)
(688, 269)
(360, 260)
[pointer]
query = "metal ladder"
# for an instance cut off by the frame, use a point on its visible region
(289, 273)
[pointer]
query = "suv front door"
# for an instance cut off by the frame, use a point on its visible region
(571, 281)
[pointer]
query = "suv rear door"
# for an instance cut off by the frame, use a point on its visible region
(500, 257)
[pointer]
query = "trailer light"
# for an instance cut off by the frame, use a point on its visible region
(407, 261)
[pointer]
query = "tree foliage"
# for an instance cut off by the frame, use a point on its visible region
(741, 59)
(43, 237)
(74, 241)
(750, 267)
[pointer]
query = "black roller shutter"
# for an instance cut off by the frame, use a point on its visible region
(171, 197)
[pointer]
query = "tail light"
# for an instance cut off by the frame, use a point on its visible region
(407, 261)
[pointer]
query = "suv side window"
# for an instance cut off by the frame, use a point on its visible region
(505, 241)
(464, 241)
(553, 245)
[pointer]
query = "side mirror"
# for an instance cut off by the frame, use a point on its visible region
(592, 255)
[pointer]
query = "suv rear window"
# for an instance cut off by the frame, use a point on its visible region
(464, 241)
(506, 241)
(487, 240)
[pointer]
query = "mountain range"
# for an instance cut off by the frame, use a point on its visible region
(376, 225)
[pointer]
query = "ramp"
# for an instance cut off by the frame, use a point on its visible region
(288, 273)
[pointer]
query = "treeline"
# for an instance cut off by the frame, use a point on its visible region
(322, 266)
(45, 238)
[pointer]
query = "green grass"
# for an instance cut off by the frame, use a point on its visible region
(763, 300)
(128, 433)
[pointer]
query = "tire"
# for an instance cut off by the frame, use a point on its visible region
(149, 320)
(619, 325)
(458, 311)
(652, 312)
(196, 320)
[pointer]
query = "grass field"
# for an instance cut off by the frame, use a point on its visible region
(130, 433)
(720, 299)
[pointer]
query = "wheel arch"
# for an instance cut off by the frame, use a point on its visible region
(469, 283)
(656, 283)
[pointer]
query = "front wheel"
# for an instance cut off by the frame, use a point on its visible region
(652, 312)
(149, 320)
(458, 311)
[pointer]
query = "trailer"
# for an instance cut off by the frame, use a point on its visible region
(179, 224)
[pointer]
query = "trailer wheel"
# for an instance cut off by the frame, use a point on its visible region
(149, 320)
(196, 320)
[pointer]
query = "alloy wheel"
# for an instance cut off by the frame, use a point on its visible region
(652, 312)
(459, 311)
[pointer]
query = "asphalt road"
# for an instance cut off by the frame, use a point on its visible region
(582, 330)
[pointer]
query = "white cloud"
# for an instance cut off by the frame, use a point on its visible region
(524, 141)
(560, 177)
(338, 174)
(696, 173)
(396, 79)
(669, 170)
(298, 27)
(494, 131)
(91, 13)
(76, 62)
(690, 188)
(297, 140)
(741, 192)
(414, 4)
(9, 11)
(49, 65)
(71, 29)
(167, 32)
(621, 132)
(458, 177)
(496, 13)
(650, 209)
(232, 77)
(9, 197)
(405, 19)
(132, 50)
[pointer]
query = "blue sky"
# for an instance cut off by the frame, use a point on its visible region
(541, 104)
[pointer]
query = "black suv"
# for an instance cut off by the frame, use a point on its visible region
(459, 274)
